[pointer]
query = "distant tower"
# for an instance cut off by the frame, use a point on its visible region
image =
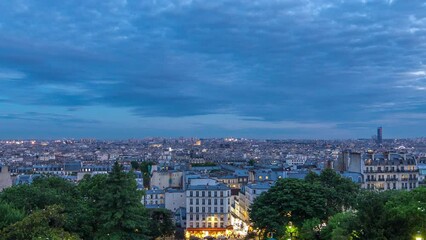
(379, 135)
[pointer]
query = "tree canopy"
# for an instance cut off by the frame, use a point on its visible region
(328, 206)
(104, 206)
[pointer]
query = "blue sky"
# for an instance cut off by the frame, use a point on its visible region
(260, 69)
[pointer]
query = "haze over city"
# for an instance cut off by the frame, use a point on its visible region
(261, 69)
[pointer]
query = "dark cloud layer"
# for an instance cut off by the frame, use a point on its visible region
(350, 64)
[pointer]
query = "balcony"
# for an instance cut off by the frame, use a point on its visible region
(391, 171)
(392, 179)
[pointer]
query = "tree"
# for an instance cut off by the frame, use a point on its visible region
(340, 227)
(405, 214)
(9, 215)
(289, 200)
(342, 191)
(160, 223)
(44, 191)
(251, 162)
(119, 209)
(310, 229)
(50, 190)
(135, 165)
(146, 173)
(91, 189)
(42, 224)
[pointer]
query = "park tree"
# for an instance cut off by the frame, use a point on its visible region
(289, 200)
(310, 229)
(405, 214)
(342, 191)
(160, 223)
(9, 215)
(317, 197)
(135, 165)
(45, 223)
(340, 227)
(119, 211)
(51, 190)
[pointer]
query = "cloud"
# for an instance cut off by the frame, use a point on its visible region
(11, 75)
(279, 62)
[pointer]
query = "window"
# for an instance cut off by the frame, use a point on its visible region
(209, 194)
(196, 193)
(197, 209)
(209, 201)
(203, 201)
(202, 193)
(221, 209)
(190, 194)
(191, 209)
(215, 209)
(197, 201)
(215, 201)
(190, 201)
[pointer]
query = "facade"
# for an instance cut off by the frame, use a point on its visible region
(5, 178)
(208, 210)
(166, 179)
(297, 159)
(390, 171)
(230, 180)
(240, 206)
(154, 198)
(174, 199)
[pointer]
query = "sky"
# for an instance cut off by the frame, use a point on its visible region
(117, 69)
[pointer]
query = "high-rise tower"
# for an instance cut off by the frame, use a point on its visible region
(379, 135)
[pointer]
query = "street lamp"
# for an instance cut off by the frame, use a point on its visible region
(418, 236)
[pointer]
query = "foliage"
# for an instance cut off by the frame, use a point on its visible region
(316, 197)
(160, 223)
(251, 162)
(135, 165)
(145, 168)
(288, 200)
(99, 207)
(341, 191)
(310, 229)
(44, 191)
(9, 215)
(405, 213)
(119, 212)
(45, 224)
(207, 164)
(340, 227)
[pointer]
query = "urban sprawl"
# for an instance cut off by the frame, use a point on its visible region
(209, 184)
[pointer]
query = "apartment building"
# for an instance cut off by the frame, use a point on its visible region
(385, 171)
(208, 210)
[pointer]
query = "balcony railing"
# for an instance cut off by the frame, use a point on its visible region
(391, 171)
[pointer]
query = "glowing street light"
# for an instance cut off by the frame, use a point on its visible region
(418, 236)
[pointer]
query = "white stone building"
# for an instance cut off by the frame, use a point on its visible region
(208, 210)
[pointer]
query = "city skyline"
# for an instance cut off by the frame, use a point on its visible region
(292, 69)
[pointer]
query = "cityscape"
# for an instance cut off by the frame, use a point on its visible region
(212, 120)
(209, 185)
